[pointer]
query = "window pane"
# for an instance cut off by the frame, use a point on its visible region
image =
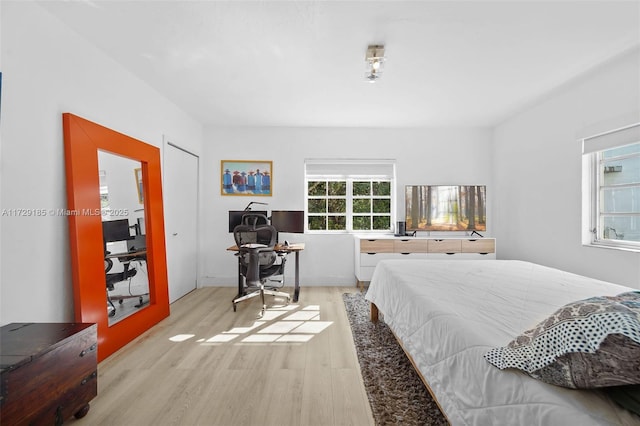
(338, 188)
(623, 150)
(317, 188)
(621, 200)
(621, 228)
(361, 222)
(317, 223)
(381, 205)
(337, 205)
(362, 205)
(381, 188)
(337, 223)
(382, 222)
(361, 188)
(616, 215)
(626, 170)
(318, 205)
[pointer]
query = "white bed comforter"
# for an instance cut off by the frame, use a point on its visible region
(449, 313)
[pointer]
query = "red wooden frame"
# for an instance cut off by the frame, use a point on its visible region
(82, 140)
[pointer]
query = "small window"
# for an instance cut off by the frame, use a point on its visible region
(349, 195)
(612, 172)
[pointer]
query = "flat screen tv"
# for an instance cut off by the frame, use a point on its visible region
(446, 207)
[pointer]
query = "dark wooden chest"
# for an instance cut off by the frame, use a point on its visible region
(48, 372)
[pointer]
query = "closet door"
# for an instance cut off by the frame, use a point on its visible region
(181, 213)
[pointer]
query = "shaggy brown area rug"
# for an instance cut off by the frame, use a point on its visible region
(396, 393)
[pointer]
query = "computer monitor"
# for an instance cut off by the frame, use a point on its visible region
(288, 220)
(116, 230)
(235, 217)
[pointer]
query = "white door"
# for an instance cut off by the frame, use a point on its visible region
(180, 185)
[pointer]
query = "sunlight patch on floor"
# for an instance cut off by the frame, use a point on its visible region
(279, 324)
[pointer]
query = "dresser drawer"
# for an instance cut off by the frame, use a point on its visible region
(445, 246)
(446, 256)
(477, 256)
(372, 259)
(479, 246)
(411, 256)
(410, 246)
(376, 246)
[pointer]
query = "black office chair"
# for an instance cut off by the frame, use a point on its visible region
(137, 248)
(258, 260)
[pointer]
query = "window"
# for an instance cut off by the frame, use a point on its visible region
(349, 195)
(612, 174)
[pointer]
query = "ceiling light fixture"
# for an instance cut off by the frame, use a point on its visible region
(374, 60)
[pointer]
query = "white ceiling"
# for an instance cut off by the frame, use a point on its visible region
(301, 63)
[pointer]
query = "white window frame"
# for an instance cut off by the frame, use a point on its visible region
(350, 171)
(592, 218)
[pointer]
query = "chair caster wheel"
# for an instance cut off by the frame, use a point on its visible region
(234, 307)
(121, 301)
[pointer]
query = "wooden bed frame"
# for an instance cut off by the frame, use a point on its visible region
(374, 314)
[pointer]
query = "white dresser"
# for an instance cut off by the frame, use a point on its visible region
(369, 250)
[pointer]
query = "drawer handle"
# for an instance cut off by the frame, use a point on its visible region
(484, 254)
(86, 351)
(89, 377)
(438, 240)
(450, 254)
(404, 241)
(371, 254)
(404, 254)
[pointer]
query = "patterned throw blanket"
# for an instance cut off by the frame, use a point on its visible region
(590, 343)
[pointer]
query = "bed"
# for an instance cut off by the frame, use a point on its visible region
(447, 314)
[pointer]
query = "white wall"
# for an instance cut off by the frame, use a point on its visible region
(424, 156)
(48, 70)
(538, 175)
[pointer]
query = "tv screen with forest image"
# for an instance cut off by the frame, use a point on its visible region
(446, 207)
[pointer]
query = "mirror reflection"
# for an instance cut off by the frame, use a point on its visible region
(124, 237)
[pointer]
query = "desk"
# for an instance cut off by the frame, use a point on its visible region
(280, 248)
(128, 255)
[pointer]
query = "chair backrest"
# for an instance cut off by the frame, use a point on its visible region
(257, 263)
(250, 232)
(255, 228)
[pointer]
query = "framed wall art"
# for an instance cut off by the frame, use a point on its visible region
(246, 177)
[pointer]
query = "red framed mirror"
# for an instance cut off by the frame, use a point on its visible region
(83, 141)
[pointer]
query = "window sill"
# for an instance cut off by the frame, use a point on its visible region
(607, 246)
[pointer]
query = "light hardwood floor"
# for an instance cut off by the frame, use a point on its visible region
(206, 365)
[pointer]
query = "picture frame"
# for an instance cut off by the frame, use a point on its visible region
(246, 177)
(138, 174)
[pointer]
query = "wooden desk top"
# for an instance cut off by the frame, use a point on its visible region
(278, 247)
(126, 254)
